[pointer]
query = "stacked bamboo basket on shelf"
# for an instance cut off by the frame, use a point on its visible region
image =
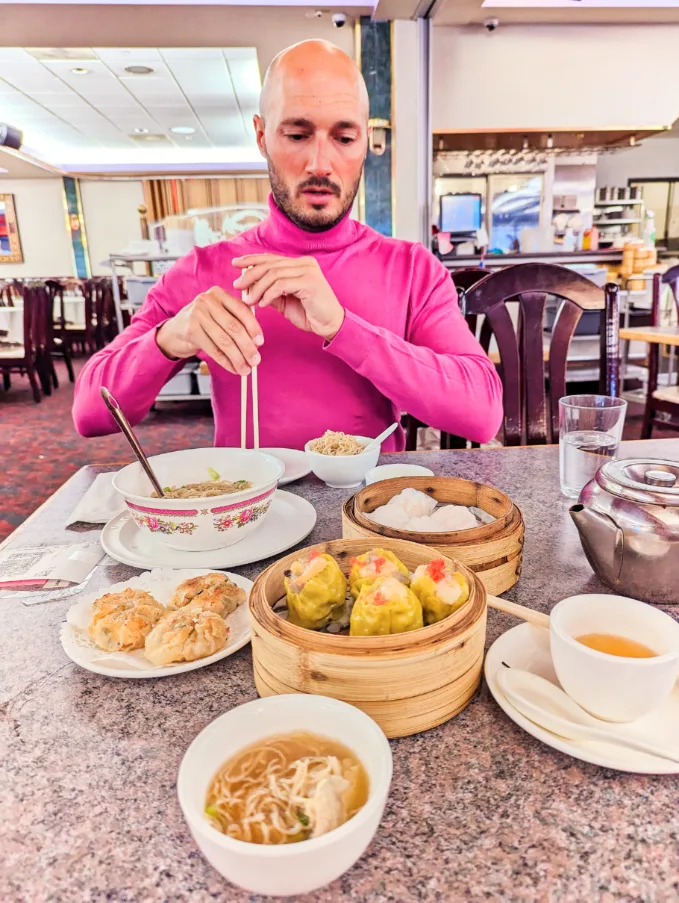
(494, 550)
(407, 682)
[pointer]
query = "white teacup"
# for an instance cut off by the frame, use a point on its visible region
(612, 687)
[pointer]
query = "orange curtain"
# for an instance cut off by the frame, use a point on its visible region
(165, 197)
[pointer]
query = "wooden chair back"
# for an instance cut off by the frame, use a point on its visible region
(37, 309)
(669, 277)
(532, 412)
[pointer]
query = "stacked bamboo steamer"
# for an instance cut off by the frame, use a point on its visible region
(494, 551)
(407, 682)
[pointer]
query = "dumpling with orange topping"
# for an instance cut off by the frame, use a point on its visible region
(315, 589)
(440, 589)
(383, 607)
(372, 566)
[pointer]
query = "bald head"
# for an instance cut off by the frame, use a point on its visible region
(313, 131)
(318, 58)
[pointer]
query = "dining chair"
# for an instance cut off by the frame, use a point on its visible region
(28, 358)
(81, 335)
(463, 279)
(533, 371)
(58, 337)
(662, 402)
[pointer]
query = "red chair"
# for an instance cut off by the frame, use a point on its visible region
(663, 400)
(58, 338)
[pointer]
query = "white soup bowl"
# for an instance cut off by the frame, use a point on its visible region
(612, 687)
(343, 471)
(201, 524)
(296, 868)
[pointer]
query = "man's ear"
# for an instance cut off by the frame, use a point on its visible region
(259, 133)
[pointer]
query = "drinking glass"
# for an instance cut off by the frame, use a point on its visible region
(590, 429)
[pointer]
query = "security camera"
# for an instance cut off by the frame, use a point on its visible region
(339, 20)
(491, 24)
(10, 137)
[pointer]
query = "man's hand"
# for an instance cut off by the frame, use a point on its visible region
(296, 287)
(217, 324)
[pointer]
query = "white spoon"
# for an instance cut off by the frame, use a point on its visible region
(380, 439)
(549, 707)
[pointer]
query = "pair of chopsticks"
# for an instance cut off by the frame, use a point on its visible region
(244, 403)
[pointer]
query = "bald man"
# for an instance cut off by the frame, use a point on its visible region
(347, 328)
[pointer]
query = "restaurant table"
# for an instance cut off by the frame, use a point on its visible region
(655, 335)
(12, 325)
(478, 809)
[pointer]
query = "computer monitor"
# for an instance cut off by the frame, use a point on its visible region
(460, 213)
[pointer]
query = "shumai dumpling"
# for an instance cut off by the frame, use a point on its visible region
(440, 589)
(211, 592)
(372, 566)
(121, 621)
(315, 589)
(186, 635)
(384, 607)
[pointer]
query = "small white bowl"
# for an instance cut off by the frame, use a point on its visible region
(343, 471)
(201, 524)
(391, 471)
(612, 687)
(296, 868)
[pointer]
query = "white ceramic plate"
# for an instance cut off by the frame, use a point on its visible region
(289, 520)
(527, 647)
(161, 583)
(296, 465)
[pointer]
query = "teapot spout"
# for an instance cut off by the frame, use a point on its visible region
(602, 541)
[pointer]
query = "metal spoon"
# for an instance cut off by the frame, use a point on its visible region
(124, 425)
(548, 706)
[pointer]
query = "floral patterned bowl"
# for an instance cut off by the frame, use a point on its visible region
(201, 524)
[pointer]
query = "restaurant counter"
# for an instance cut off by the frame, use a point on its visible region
(478, 809)
(563, 258)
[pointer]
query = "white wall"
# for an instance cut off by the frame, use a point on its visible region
(45, 239)
(555, 76)
(411, 148)
(656, 158)
(111, 218)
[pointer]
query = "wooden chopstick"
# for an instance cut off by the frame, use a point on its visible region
(244, 401)
(536, 618)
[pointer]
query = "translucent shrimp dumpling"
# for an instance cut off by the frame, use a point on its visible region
(440, 589)
(385, 607)
(315, 589)
(372, 566)
(413, 502)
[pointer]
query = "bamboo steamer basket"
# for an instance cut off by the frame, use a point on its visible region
(407, 682)
(493, 551)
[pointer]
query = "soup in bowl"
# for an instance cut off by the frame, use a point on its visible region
(329, 762)
(214, 496)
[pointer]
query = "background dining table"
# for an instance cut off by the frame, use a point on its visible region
(12, 318)
(478, 809)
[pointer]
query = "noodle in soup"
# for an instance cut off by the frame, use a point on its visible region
(286, 789)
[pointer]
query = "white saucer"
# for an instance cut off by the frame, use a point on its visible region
(527, 647)
(161, 583)
(296, 465)
(289, 520)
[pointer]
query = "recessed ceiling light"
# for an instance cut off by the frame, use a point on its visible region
(79, 71)
(139, 70)
(141, 131)
(182, 129)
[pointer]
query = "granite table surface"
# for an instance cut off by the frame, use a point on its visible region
(478, 809)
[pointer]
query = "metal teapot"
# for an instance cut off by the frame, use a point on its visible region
(628, 521)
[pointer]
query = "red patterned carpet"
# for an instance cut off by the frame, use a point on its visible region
(40, 448)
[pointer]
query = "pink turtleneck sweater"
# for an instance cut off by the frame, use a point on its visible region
(403, 346)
